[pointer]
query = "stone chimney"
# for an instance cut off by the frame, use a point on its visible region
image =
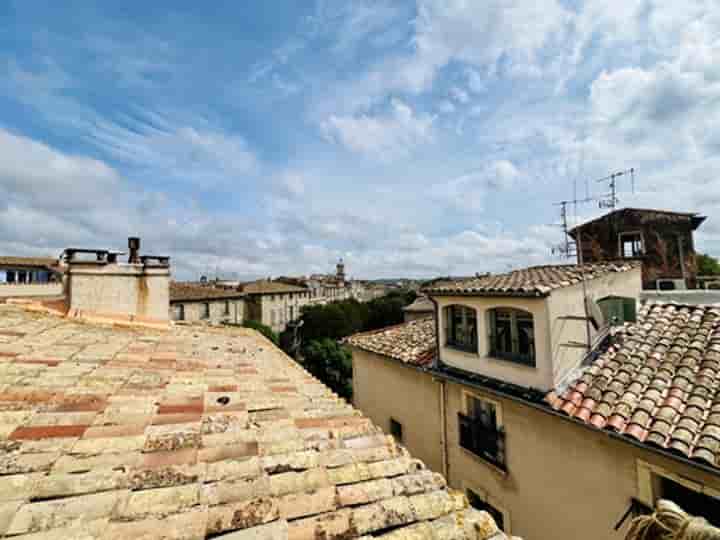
(99, 285)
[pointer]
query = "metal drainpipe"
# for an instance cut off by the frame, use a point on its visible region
(443, 395)
(443, 431)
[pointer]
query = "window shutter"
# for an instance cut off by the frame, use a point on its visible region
(628, 308)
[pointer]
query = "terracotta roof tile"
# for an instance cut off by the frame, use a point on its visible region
(265, 286)
(660, 384)
(533, 281)
(422, 304)
(34, 262)
(225, 436)
(411, 342)
(185, 292)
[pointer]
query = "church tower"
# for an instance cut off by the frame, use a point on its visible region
(340, 270)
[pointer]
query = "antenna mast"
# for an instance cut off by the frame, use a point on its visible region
(611, 200)
(568, 248)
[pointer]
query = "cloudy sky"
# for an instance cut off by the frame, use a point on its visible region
(411, 138)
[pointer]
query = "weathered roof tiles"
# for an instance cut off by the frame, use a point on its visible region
(533, 281)
(110, 433)
(411, 342)
(660, 385)
(181, 291)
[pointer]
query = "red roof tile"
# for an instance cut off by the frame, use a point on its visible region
(660, 384)
(411, 342)
(533, 281)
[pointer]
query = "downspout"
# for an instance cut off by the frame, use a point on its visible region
(443, 396)
(443, 430)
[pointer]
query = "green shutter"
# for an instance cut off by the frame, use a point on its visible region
(629, 313)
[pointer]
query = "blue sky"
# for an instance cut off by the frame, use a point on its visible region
(411, 138)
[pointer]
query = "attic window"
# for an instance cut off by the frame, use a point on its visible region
(631, 245)
(512, 335)
(461, 328)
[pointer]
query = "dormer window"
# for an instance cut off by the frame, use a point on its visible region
(461, 328)
(512, 335)
(631, 245)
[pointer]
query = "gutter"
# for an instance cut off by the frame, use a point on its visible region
(610, 434)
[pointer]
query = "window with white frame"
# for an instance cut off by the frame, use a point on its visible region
(461, 328)
(511, 334)
(631, 245)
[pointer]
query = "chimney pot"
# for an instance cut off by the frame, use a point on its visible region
(134, 248)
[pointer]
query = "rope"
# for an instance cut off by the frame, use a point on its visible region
(669, 522)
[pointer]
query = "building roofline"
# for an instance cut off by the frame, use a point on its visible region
(695, 217)
(546, 408)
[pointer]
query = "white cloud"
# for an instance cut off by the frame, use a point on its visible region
(199, 154)
(384, 136)
(32, 170)
(467, 193)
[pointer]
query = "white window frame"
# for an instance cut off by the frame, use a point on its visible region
(447, 313)
(466, 395)
(621, 252)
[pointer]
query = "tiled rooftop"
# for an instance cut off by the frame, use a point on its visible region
(533, 281)
(115, 433)
(185, 292)
(265, 286)
(40, 262)
(660, 385)
(420, 305)
(411, 342)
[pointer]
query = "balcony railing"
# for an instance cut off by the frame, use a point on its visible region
(485, 443)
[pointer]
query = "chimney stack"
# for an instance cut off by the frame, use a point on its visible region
(134, 248)
(97, 283)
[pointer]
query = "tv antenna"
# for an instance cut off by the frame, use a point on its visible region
(567, 248)
(611, 200)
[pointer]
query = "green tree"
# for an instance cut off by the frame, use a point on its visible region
(331, 363)
(385, 311)
(707, 265)
(263, 329)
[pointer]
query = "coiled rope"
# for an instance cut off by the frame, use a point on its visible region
(670, 522)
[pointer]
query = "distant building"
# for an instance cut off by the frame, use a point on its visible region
(274, 303)
(197, 302)
(29, 270)
(421, 308)
(23, 277)
(662, 240)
